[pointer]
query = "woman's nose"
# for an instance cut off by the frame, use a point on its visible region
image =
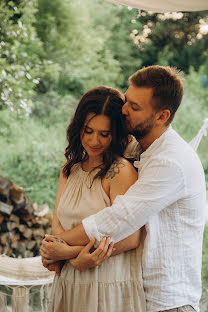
(95, 139)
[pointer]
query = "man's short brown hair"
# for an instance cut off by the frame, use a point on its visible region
(166, 83)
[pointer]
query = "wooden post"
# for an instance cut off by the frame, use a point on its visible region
(20, 299)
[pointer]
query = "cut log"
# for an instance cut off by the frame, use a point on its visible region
(39, 242)
(27, 218)
(12, 225)
(1, 218)
(7, 250)
(14, 245)
(42, 210)
(43, 222)
(48, 231)
(15, 237)
(38, 233)
(14, 218)
(5, 185)
(27, 209)
(28, 233)
(21, 248)
(4, 227)
(21, 205)
(5, 239)
(35, 206)
(35, 221)
(31, 244)
(49, 216)
(22, 228)
(29, 224)
(23, 225)
(5, 209)
(17, 194)
(28, 254)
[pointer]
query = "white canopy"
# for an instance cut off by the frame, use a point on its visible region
(159, 6)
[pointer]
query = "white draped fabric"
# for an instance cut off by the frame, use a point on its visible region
(160, 6)
(202, 132)
(23, 275)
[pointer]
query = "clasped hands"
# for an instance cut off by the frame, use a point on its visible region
(55, 252)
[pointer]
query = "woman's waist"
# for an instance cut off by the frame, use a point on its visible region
(121, 268)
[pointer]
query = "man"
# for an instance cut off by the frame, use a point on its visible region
(168, 198)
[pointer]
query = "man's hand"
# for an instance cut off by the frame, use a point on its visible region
(86, 260)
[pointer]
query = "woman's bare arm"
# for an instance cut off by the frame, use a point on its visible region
(122, 176)
(57, 251)
(56, 225)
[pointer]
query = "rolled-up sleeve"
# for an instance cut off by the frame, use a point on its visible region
(161, 182)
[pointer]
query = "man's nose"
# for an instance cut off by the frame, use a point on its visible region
(125, 109)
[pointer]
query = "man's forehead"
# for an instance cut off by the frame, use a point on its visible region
(137, 94)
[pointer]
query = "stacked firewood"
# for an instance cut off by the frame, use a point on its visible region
(23, 225)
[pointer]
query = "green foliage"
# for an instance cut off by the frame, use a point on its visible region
(206, 172)
(193, 109)
(120, 21)
(171, 39)
(192, 112)
(52, 108)
(33, 155)
(71, 40)
(19, 55)
(205, 264)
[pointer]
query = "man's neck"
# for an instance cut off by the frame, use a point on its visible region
(151, 137)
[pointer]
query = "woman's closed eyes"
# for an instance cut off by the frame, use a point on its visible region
(104, 134)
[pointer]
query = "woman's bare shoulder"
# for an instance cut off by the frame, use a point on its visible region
(120, 168)
(120, 177)
(72, 168)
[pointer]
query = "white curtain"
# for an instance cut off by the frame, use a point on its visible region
(159, 6)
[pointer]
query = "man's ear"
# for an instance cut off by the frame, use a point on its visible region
(163, 116)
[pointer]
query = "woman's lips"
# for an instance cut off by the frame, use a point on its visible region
(94, 148)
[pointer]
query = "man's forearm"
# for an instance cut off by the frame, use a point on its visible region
(75, 237)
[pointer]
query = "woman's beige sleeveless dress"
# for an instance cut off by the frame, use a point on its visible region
(115, 285)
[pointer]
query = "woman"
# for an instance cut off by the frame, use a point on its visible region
(94, 174)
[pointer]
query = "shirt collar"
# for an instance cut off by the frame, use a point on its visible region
(150, 150)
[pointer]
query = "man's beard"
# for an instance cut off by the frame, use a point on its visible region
(142, 129)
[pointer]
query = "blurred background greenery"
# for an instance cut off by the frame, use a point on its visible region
(51, 52)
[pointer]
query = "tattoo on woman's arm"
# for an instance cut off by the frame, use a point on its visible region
(59, 240)
(115, 169)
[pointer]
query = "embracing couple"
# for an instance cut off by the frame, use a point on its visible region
(128, 221)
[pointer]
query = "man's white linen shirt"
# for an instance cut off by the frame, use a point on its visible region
(169, 199)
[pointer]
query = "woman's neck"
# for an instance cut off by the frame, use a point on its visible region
(91, 163)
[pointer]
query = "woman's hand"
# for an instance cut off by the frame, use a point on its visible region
(54, 249)
(86, 260)
(56, 266)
